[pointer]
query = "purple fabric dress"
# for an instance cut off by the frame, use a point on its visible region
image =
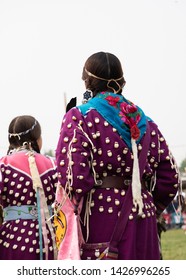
(97, 150)
(19, 239)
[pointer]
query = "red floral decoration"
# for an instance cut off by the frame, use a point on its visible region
(112, 100)
(135, 132)
(129, 114)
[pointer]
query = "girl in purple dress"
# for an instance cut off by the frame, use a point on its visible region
(27, 191)
(98, 163)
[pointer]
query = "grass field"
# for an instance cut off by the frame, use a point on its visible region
(173, 244)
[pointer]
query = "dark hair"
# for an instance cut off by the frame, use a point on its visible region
(106, 66)
(24, 129)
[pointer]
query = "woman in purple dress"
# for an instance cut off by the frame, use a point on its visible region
(98, 163)
(27, 191)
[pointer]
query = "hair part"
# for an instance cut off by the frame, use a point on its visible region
(105, 66)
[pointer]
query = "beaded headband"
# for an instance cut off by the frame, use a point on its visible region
(23, 132)
(107, 80)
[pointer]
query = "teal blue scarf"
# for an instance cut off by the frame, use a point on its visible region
(128, 119)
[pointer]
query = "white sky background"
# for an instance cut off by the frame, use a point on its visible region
(44, 44)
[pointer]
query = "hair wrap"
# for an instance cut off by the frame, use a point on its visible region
(23, 132)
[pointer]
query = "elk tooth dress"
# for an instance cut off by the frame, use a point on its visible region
(19, 239)
(97, 134)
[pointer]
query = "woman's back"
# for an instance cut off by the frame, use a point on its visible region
(19, 237)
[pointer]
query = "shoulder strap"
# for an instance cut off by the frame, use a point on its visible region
(43, 212)
(128, 204)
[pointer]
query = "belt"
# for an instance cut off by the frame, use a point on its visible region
(113, 182)
(23, 212)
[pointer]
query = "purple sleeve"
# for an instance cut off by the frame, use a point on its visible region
(167, 179)
(73, 154)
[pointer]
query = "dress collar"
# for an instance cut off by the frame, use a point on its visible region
(122, 114)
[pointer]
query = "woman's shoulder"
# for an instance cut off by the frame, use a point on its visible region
(7, 159)
(45, 160)
(152, 124)
(73, 115)
(3, 160)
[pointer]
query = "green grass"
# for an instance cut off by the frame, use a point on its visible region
(173, 243)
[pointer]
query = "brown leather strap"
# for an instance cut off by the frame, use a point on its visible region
(113, 182)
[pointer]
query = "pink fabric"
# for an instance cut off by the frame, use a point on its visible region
(20, 160)
(69, 247)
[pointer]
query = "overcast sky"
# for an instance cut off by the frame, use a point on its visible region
(44, 44)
